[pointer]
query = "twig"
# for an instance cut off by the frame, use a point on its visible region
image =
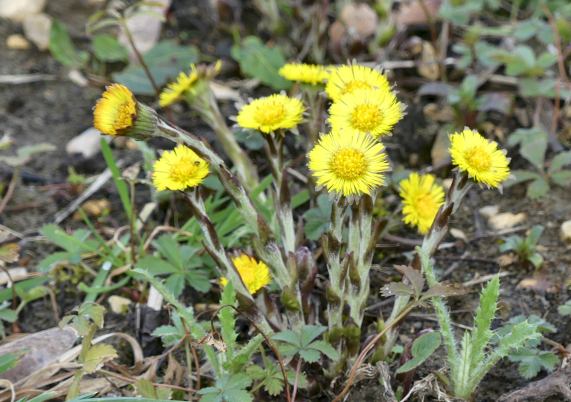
(92, 189)
(16, 79)
(485, 278)
(297, 371)
(10, 190)
(140, 58)
(554, 384)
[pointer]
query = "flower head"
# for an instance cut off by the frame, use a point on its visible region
(348, 165)
(175, 90)
(373, 111)
(421, 198)
(479, 158)
(116, 111)
(271, 113)
(348, 78)
(179, 169)
(312, 74)
(254, 274)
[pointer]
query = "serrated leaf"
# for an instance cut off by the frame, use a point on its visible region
(260, 61)
(310, 355)
(531, 361)
(414, 276)
(396, 289)
(422, 348)
(309, 333)
(97, 356)
(483, 320)
(325, 348)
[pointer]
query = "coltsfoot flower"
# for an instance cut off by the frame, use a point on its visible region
(175, 90)
(348, 78)
(311, 74)
(373, 111)
(479, 158)
(421, 198)
(117, 112)
(255, 274)
(271, 113)
(348, 165)
(179, 169)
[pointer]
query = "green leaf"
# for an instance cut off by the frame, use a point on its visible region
(560, 160)
(533, 144)
(10, 360)
(310, 332)
(164, 61)
(228, 388)
(422, 348)
(156, 265)
(326, 349)
(521, 59)
(538, 188)
(483, 320)
(120, 184)
(310, 355)
(63, 49)
(318, 219)
(260, 61)
(227, 319)
(521, 176)
(565, 309)
(561, 178)
(531, 361)
(107, 48)
(97, 356)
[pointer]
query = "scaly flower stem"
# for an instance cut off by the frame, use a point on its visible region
(458, 189)
(208, 109)
(214, 246)
(282, 200)
(360, 246)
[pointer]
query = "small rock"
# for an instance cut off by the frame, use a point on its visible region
(489, 210)
(88, 143)
(17, 42)
(565, 232)
(118, 304)
(18, 10)
(39, 350)
(37, 29)
(77, 78)
(458, 234)
(506, 220)
(360, 19)
(94, 208)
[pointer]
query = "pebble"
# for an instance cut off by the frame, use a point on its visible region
(17, 42)
(18, 10)
(37, 29)
(565, 232)
(88, 143)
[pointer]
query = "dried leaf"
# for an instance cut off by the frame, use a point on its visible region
(396, 289)
(97, 356)
(429, 66)
(446, 290)
(414, 276)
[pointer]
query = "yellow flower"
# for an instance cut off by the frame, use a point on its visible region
(306, 73)
(179, 169)
(254, 274)
(116, 111)
(175, 90)
(478, 157)
(348, 165)
(271, 113)
(370, 111)
(348, 78)
(421, 198)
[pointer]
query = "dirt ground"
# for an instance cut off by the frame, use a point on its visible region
(55, 110)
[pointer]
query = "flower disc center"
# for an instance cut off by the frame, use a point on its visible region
(348, 164)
